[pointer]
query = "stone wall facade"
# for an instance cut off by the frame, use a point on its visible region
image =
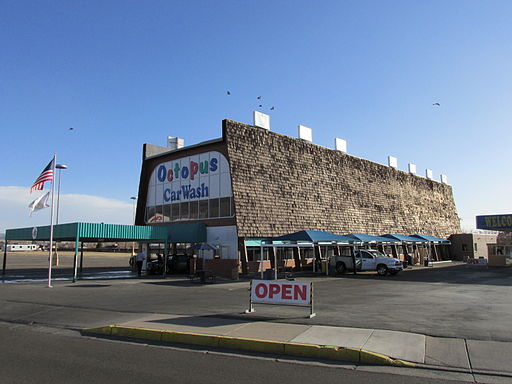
(282, 185)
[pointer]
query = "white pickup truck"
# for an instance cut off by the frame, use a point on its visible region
(367, 260)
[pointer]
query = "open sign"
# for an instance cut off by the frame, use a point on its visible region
(281, 292)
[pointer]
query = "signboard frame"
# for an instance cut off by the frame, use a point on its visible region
(308, 304)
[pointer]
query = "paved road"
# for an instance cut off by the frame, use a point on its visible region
(41, 355)
(463, 301)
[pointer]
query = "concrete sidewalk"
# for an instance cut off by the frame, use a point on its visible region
(329, 342)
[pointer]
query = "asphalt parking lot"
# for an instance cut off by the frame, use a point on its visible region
(473, 302)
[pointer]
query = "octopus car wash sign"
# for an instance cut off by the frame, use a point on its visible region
(198, 177)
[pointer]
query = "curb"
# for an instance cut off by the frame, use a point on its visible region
(255, 345)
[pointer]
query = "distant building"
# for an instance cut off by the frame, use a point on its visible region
(466, 246)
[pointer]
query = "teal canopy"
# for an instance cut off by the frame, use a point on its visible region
(364, 238)
(315, 237)
(404, 238)
(431, 239)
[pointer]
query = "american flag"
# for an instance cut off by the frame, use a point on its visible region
(46, 175)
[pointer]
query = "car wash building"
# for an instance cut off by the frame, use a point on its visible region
(252, 185)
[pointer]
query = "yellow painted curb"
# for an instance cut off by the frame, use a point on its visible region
(100, 330)
(190, 338)
(322, 352)
(137, 333)
(378, 358)
(264, 346)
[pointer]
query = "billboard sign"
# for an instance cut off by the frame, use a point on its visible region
(198, 177)
(494, 222)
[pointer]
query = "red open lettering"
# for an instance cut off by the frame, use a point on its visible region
(301, 291)
(287, 292)
(274, 290)
(261, 291)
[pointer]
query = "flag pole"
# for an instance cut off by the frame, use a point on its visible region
(50, 258)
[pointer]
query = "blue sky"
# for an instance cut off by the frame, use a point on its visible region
(123, 73)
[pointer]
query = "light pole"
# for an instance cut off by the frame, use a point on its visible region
(59, 167)
(134, 198)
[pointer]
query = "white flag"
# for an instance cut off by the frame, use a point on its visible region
(39, 203)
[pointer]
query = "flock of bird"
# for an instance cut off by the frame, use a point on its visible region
(259, 98)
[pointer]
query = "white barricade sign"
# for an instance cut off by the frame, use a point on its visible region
(281, 293)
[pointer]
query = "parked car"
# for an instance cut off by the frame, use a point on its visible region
(367, 260)
(155, 265)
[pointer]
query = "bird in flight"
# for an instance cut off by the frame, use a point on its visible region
(229, 93)
(259, 97)
(260, 106)
(437, 104)
(272, 108)
(71, 129)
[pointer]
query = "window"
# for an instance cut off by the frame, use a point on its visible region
(167, 212)
(184, 213)
(476, 247)
(225, 207)
(367, 255)
(175, 212)
(150, 212)
(194, 209)
(254, 253)
(203, 209)
(214, 208)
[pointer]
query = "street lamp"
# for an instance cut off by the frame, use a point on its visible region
(59, 167)
(134, 198)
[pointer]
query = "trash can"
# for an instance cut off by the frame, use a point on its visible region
(269, 274)
(323, 266)
(425, 263)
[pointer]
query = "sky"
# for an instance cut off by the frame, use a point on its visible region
(124, 73)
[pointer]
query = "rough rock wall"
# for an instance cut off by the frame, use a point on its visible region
(282, 185)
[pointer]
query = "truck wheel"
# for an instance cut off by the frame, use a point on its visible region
(340, 267)
(382, 270)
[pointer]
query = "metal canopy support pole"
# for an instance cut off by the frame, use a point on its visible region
(81, 256)
(275, 262)
(354, 258)
(261, 261)
(5, 260)
(243, 255)
(75, 258)
(165, 259)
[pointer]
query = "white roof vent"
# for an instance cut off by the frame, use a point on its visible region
(393, 162)
(340, 145)
(174, 143)
(261, 120)
(305, 133)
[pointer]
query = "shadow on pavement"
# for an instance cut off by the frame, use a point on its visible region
(458, 274)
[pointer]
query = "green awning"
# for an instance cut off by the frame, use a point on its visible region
(178, 233)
